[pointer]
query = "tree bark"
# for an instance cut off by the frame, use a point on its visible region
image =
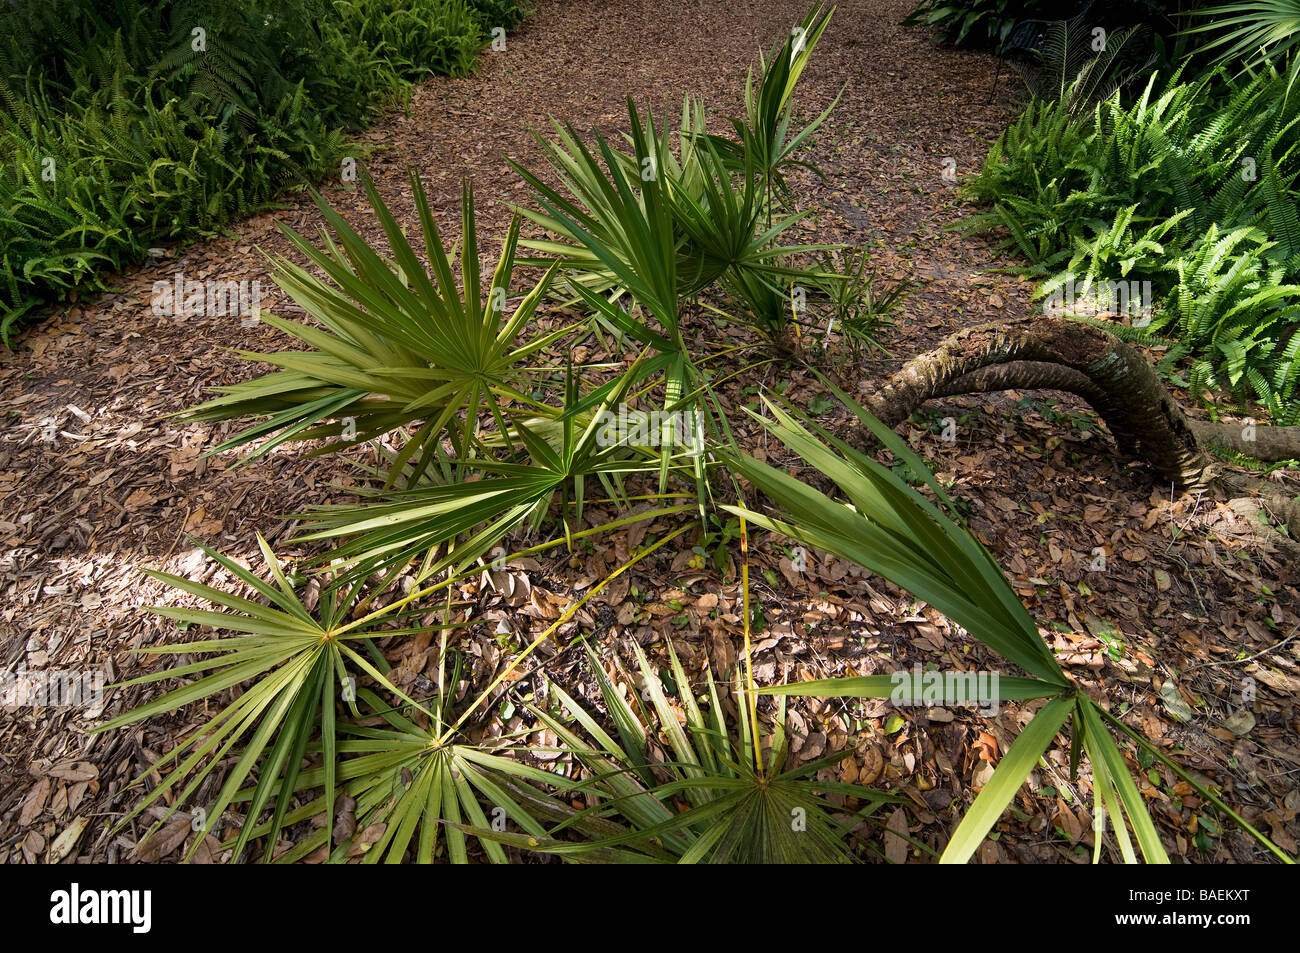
(1045, 353)
(1269, 444)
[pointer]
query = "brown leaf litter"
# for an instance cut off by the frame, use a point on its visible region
(1165, 606)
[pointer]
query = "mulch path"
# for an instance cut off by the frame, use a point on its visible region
(1192, 608)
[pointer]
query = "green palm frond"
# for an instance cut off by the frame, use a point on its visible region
(465, 519)
(888, 527)
(1254, 32)
(721, 795)
(401, 346)
(763, 142)
(299, 664)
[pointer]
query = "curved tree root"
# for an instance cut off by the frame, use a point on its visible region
(1045, 353)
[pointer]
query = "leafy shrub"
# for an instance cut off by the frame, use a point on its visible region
(1070, 71)
(439, 37)
(1194, 190)
(506, 14)
(1233, 312)
(979, 23)
(126, 128)
(987, 23)
(479, 434)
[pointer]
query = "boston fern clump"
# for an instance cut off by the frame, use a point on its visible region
(124, 124)
(440, 37)
(506, 14)
(1192, 189)
(467, 385)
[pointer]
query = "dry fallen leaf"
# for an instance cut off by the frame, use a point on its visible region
(873, 764)
(367, 837)
(345, 819)
(34, 803)
(67, 840)
(1240, 722)
(33, 846)
(162, 842)
(74, 771)
(139, 498)
(896, 847)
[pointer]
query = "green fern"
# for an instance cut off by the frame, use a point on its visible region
(155, 136)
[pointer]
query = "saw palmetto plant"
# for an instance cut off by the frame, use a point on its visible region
(298, 663)
(1253, 33)
(859, 302)
(298, 673)
(643, 234)
(645, 230)
(763, 139)
(455, 378)
(419, 784)
(886, 526)
(414, 782)
(402, 345)
(671, 222)
(720, 792)
(487, 426)
(559, 456)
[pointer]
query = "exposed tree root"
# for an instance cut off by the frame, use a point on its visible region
(1044, 353)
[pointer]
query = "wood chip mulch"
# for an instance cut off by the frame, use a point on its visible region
(1189, 609)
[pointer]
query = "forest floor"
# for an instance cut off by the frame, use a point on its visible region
(98, 483)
